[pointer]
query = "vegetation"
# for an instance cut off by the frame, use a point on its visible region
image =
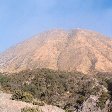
(67, 90)
(30, 110)
(102, 99)
(4, 83)
(39, 103)
(22, 96)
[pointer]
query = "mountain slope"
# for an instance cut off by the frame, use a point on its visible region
(75, 50)
(8, 105)
(59, 89)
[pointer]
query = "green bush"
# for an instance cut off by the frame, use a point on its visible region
(68, 110)
(4, 83)
(39, 103)
(102, 99)
(30, 110)
(3, 79)
(80, 100)
(22, 96)
(95, 90)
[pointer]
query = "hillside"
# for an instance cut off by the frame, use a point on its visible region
(74, 50)
(8, 105)
(60, 89)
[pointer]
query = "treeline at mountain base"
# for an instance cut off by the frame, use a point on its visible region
(67, 90)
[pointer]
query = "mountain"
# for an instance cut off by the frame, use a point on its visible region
(74, 50)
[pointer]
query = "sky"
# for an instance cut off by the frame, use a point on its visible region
(21, 19)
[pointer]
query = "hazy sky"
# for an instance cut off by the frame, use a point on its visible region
(20, 19)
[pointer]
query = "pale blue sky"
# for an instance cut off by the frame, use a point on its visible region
(21, 19)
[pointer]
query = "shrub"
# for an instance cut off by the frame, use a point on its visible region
(27, 97)
(80, 100)
(22, 96)
(30, 110)
(95, 90)
(4, 83)
(39, 103)
(68, 110)
(102, 99)
(18, 95)
(3, 79)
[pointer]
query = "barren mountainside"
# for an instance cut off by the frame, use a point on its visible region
(74, 50)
